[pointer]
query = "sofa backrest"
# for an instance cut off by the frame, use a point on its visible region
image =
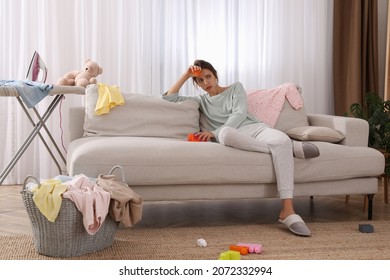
(144, 115)
(76, 118)
(141, 115)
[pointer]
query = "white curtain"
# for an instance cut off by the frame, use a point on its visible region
(145, 45)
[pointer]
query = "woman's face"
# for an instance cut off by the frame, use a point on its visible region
(207, 81)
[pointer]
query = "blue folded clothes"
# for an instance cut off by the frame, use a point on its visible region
(30, 92)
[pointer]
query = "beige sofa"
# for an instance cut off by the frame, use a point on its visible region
(147, 137)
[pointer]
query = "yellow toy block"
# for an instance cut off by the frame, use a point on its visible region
(229, 255)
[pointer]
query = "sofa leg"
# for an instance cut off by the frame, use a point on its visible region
(370, 204)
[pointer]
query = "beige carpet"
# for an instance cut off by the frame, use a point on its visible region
(329, 241)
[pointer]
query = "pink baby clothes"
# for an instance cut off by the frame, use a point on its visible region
(90, 199)
(267, 104)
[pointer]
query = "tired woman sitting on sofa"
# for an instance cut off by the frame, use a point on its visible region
(225, 109)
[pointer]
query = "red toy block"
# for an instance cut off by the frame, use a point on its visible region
(242, 249)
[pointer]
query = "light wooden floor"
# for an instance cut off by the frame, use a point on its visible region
(14, 220)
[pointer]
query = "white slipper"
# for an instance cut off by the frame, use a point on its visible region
(296, 225)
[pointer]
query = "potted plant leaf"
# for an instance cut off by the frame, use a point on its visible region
(376, 112)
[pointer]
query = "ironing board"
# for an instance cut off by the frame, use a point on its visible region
(57, 93)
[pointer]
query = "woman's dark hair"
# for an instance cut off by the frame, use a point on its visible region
(204, 65)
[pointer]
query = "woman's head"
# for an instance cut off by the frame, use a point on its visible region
(204, 65)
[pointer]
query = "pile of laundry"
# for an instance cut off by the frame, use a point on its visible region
(94, 198)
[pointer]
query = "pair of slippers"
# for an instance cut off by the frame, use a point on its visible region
(296, 225)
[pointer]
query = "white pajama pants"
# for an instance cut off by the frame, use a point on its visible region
(259, 137)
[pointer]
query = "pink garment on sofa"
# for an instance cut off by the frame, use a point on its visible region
(90, 199)
(266, 104)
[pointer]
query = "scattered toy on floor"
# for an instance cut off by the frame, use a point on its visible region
(366, 228)
(242, 249)
(229, 255)
(253, 247)
(201, 242)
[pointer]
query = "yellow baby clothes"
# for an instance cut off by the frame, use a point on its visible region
(109, 97)
(47, 198)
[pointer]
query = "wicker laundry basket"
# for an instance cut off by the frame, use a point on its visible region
(67, 236)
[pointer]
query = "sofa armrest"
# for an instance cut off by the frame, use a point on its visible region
(76, 123)
(355, 130)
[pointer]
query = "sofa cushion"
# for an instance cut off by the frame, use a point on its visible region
(315, 133)
(273, 106)
(141, 115)
(290, 117)
(149, 161)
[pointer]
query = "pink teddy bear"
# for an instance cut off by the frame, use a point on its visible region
(82, 78)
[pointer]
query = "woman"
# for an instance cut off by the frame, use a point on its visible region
(225, 109)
